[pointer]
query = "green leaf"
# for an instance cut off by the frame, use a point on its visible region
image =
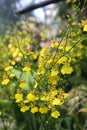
(58, 125)
(84, 42)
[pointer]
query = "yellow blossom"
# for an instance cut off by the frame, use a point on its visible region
(52, 79)
(68, 47)
(43, 109)
(49, 62)
(34, 109)
(66, 69)
(26, 69)
(24, 108)
(31, 97)
(53, 92)
(84, 24)
(54, 43)
(22, 85)
(62, 60)
(57, 101)
(55, 114)
(41, 70)
(85, 28)
(35, 55)
(12, 62)
(19, 97)
(54, 72)
(5, 81)
(15, 53)
(45, 97)
(8, 68)
(11, 75)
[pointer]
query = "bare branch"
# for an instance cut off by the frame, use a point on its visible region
(35, 6)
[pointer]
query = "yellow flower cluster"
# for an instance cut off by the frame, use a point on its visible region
(53, 65)
(19, 45)
(42, 102)
(8, 75)
(54, 61)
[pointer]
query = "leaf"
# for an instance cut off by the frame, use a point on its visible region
(68, 121)
(58, 125)
(83, 110)
(30, 121)
(84, 42)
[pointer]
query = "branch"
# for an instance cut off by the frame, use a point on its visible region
(35, 6)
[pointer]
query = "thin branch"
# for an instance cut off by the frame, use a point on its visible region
(35, 6)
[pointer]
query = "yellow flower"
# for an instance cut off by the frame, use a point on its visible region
(31, 97)
(26, 69)
(53, 92)
(5, 81)
(55, 114)
(35, 55)
(45, 97)
(85, 28)
(54, 72)
(8, 68)
(43, 109)
(56, 101)
(68, 47)
(15, 53)
(34, 109)
(52, 79)
(12, 62)
(84, 24)
(24, 108)
(62, 60)
(22, 85)
(19, 97)
(49, 62)
(54, 43)
(41, 70)
(66, 69)
(11, 75)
